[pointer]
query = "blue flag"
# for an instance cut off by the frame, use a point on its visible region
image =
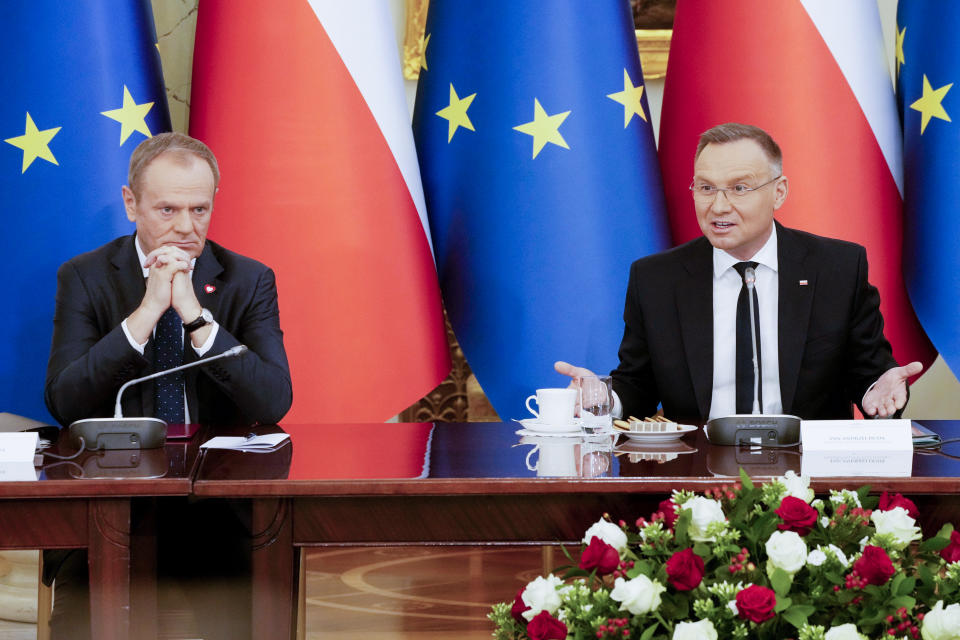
(82, 88)
(928, 66)
(541, 182)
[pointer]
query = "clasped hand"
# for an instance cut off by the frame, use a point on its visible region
(168, 285)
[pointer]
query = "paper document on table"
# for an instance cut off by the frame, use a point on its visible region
(261, 444)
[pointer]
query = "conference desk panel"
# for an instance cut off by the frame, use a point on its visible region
(89, 502)
(477, 483)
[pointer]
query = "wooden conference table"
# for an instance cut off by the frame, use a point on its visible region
(476, 483)
(87, 503)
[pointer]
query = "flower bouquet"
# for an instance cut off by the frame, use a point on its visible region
(758, 562)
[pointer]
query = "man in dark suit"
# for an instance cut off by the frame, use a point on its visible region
(820, 330)
(145, 303)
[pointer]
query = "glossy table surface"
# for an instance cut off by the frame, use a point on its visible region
(475, 458)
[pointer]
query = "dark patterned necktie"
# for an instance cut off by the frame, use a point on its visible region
(168, 353)
(745, 345)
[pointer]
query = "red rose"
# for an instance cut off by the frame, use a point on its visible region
(519, 606)
(889, 503)
(545, 627)
(797, 515)
(951, 553)
(600, 556)
(756, 603)
(669, 511)
(874, 566)
(684, 570)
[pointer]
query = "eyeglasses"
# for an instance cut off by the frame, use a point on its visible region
(705, 191)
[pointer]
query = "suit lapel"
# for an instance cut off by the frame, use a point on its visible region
(695, 310)
(797, 283)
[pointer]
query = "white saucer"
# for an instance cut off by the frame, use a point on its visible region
(535, 426)
(659, 436)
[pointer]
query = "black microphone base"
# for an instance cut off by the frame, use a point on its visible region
(118, 433)
(752, 429)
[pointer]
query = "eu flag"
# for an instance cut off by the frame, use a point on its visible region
(82, 87)
(541, 181)
(928, 65)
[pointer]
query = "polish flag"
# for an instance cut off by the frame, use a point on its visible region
(813, 74)
(303, 103)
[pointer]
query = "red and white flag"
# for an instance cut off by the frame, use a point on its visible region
(813, 74)
(303, 103)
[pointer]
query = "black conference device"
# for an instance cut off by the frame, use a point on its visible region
(118, 432)
(772, 430)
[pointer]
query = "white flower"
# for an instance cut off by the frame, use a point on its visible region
(701, 630)
(816, 558)
(845, 495)
(786, 550)
(844, 632)
(542, 595)
(607, 532)
(817, 504)
(797, 486)
(704, 512)
(732, 605)
(897, 523)
(863, 542)
(638, 596)
(941, 624)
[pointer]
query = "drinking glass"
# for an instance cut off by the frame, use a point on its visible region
(596, 402)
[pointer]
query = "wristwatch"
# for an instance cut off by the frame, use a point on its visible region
(205, 318)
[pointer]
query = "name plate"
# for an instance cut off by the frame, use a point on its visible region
(876, 448)
(856, 435)
(18, 446)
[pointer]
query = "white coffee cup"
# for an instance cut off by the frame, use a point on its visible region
(557, 406)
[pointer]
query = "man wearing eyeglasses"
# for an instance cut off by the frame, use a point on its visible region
(687, 339)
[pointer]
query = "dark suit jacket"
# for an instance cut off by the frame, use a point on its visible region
(90, 357)
(831, 343)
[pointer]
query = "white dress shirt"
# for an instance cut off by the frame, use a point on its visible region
(726, 291)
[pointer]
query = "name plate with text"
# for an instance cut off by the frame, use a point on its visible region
(18, 446)
(856, 448)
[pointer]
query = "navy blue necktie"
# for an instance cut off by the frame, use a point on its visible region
(168, 353)
(745, 345)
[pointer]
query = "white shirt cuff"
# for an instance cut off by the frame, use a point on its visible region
(133, 343)
(617, 410)
(202, 349)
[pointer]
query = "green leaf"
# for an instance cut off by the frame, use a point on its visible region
(702, 549)
(895, 583)
(906, 587)
(782, 604)
(926, 575)
(945, 531)
(649, 631)
(781, 581)
(903, 601)
(797, 615)
(680, 528)
(934, 544)
(745, 479)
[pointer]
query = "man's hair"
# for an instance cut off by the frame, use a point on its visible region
(733, 131)
(180, 145)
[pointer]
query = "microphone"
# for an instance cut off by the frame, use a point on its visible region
(750, 279)
(133, 433)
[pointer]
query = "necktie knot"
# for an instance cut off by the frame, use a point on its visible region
(742, 267)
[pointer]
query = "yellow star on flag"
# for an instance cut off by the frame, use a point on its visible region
(630, 99)
(544, 128)
(131, 116)
(423, 51)
(35, 144)
(901, 34)
(455, 113)
(929, 105)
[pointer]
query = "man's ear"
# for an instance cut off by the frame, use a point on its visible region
(780, 192)
(129, 203)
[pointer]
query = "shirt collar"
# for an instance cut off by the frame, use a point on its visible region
(143, 258)
(767, 256)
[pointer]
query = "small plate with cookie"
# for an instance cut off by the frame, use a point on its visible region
(653, 429)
